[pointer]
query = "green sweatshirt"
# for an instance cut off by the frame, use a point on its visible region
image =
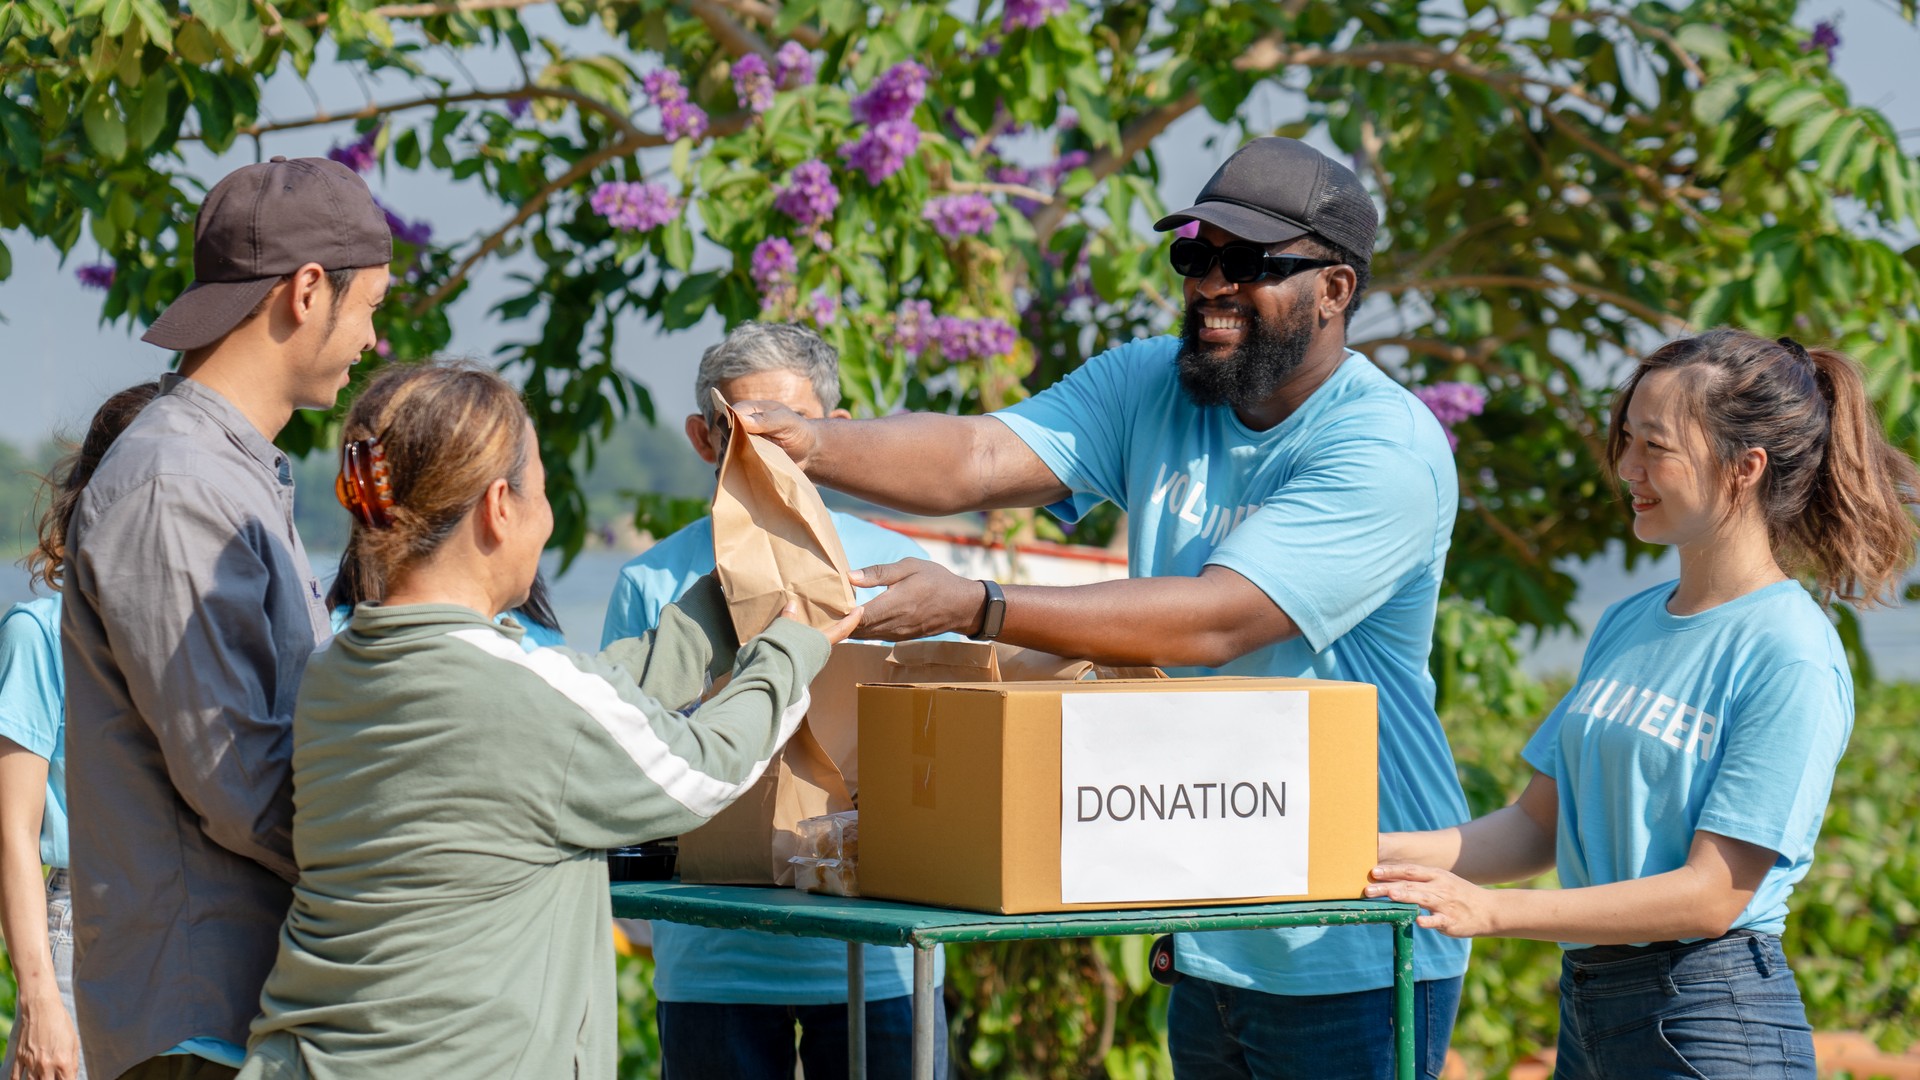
(453, 800)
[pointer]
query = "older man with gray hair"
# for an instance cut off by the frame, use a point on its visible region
(729, 999)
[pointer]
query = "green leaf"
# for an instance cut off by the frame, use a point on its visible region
(1704, 41)
(154, 19)
(1794, 104)
(406, 149)
(677, 242)
(104, 128)
(50, 13)
(6, 262)
(150, 116)
(115, 17)
(689, 301)
(218, 14)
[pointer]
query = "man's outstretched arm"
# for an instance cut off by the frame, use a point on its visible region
(1203, 621)
(922, 463)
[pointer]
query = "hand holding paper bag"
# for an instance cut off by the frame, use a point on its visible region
(773, 541)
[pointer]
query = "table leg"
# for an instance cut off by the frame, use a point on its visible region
(923, 1009)
(856, 1012)
(1405, 1052)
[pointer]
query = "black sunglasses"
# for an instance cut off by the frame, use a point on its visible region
(1240, 262)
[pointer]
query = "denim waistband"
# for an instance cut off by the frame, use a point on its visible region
(1612, 954)
(59, 878)
(1665, 964)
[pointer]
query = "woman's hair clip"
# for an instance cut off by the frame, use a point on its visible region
(365, 486)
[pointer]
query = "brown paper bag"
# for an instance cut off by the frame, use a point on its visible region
(994, 661)
(750, 841)
(772, 538)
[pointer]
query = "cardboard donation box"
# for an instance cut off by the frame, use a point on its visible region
(818, 772)
(1025, 797)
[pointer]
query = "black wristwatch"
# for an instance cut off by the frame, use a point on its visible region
(995, 613)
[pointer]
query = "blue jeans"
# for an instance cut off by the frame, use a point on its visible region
(703, 1041)
(1225, 1033)
(1727, 1007)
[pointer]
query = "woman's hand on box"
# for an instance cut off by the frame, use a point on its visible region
(922, 599)
(1456, 907)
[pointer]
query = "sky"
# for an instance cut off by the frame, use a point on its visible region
(60, 362)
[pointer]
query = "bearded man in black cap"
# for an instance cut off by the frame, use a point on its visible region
(190, 612)
(1289, 509)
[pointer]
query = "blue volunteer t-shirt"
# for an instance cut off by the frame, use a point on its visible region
(1342, 514)
(33, 711)
(1731, 721)
(740, 967)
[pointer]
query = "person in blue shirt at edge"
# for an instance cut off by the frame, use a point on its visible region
(1289, 508)
(1680, 785)
(36, 915)
(729, 999)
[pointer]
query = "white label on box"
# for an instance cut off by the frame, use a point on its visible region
(1194, 796)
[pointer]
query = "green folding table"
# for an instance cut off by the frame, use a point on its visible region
(882, 922)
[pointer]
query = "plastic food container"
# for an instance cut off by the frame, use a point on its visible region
(830, 854)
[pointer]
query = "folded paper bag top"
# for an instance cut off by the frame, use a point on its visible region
(773, 540)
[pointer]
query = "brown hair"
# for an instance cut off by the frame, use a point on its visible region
(47, 562)
(449, 429)
(1834, 494)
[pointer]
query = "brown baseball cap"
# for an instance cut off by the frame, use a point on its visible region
(260, 224)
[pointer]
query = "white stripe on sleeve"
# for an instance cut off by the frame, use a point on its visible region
(628, 724)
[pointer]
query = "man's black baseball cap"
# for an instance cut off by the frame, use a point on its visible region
(1275, 189)
(261, 223)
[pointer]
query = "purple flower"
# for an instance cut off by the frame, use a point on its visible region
(517, 107)
(416, 233)
(957, 338)
(773, 265)
(793, 66)
(753, 83)
(1451, 403)
(634, 206)
(680, 118)
(893, 96)
(911, 326)
(1826, 37)
(809, 197)
(961, 215)
(1029, 14)
(882, 149)
(96, 276)
(824, 306)
(1068, 120)
(383, 348)
(357, 155)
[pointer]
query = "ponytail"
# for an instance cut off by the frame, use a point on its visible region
(47, 562)
(1857, 534)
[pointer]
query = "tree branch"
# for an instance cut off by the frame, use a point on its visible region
(640, 140)
(1653, 316)
(733, 37)
(994, 188)
(766, 14)
(421, 11)
(1481, 360)
(614, 116)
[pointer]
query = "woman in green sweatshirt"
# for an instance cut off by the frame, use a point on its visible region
(454, 794)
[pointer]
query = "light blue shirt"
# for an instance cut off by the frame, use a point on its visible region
(733, 967)
(1341, 514)
(33, 707)
(1730, 721)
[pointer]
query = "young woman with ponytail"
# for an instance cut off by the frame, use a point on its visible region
(1680, 786)
(454, 794)
(36, 913)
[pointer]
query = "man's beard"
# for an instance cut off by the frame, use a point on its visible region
(1266, 356)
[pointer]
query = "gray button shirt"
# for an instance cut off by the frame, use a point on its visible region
(191, 610)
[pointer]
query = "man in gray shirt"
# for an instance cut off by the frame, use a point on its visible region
(190, 616)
